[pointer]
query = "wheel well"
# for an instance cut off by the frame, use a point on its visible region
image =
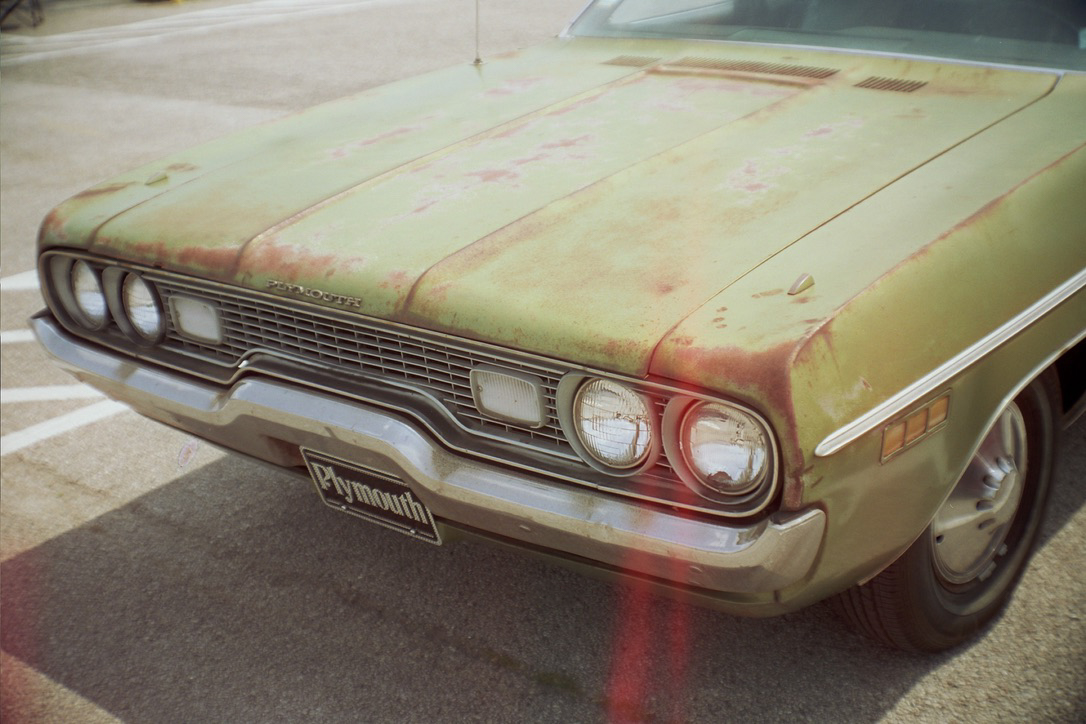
(1071, 368)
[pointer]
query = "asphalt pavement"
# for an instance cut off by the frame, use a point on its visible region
(148, 577)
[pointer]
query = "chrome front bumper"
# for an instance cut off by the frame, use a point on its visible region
(271, 419)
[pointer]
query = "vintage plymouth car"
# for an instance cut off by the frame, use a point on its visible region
(761, 301)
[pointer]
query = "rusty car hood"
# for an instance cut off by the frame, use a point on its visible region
(577, 202)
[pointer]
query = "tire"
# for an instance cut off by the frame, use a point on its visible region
(961, 571)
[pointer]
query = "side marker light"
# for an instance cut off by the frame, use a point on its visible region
(917, 426)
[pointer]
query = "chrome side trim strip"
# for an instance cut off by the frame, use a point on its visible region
(951, 368)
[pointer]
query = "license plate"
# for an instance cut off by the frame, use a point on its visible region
(378, 497)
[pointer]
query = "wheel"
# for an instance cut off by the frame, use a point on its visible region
(960, 572)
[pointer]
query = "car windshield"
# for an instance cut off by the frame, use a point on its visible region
(1048, 33)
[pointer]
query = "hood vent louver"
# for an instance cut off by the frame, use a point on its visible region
(751, 66)
(632, 61)
(899, 85)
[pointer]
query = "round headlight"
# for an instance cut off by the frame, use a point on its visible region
(143, 308)
(725, 448)
(89, 298)
(613, 423)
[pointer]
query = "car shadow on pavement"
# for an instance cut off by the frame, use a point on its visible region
(233, 594)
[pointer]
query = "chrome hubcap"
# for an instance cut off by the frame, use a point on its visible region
(968, 533)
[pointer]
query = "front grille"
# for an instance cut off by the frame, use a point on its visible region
(417, 372)
(439, 367)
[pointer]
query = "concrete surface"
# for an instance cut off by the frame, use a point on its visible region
(147, 577)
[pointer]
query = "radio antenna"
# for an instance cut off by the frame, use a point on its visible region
(478, 57)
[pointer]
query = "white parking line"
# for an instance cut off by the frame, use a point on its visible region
(49, 393)
(15, 441)
(22, 282)
(16, 336)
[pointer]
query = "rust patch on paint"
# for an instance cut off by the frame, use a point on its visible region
(513, 87)
(531, 159)
(770, 293)
(762, 379)
(290, 263)
(567, 143)
(101, 191)
(576, 105)
(512, 131)
(53, 229)
(399, 280)
(216, 262)
(495, 175)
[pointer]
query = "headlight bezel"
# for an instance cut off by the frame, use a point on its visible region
(650, 448)
(754, 496)
(61, 275)
(131, 324)
(670, 407)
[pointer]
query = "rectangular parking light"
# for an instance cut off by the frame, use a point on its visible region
(513, 397)
(196, 319)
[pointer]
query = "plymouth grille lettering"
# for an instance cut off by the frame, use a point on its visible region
(312, 293)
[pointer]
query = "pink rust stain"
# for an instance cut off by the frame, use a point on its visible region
(532, 159)
(765, 374)
(514, 86)
(439, 293)
(341, 152)
(53, 228)
(753, 178)
(623, 349)
(181, 167)
(216, 261)
(512, 131)
(576, 105)
(145, 251)
(567, 143)
(691, 86)
(494, 175)
(830, 129)
(102, 191)
(396, 280)
(288, 262)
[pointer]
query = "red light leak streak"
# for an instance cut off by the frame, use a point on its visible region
(651, 653)
(651, 648)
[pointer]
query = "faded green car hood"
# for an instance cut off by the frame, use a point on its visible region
(578, 200)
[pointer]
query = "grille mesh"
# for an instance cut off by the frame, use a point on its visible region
(252, 323)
